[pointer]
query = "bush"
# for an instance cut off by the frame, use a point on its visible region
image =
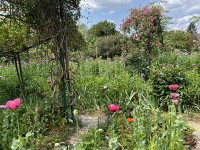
(108, 46)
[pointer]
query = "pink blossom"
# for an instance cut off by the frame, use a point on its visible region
(113, 108)
(14, 104)
(193, 65)
(174, 95)
(175, 101)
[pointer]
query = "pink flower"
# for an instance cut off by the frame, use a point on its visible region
(174, 95)
(193, 65)
(8, 104)
(173, 87)
(175, 101)
(113, 108)
(17, 102)
(13, 104)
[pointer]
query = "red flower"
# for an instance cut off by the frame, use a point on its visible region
(113, 108)
(173, 87)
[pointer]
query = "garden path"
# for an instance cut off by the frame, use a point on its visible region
(87, 121)
(194, 123)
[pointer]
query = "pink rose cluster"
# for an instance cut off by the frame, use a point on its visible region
(11, 104)
(174, 96)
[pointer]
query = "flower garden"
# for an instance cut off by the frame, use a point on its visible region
(146, 93)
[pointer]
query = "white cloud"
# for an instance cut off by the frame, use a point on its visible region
(182, 22)
(112, 5)
(181, 11)
(182, 6)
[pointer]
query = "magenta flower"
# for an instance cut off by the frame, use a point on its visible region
(173, 87)
(174, 95)
(113, 108)
(175, 101)
(13, 105)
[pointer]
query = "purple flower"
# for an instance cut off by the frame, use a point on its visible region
(142, 75)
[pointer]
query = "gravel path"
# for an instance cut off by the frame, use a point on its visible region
(87, 122)
(196, 126)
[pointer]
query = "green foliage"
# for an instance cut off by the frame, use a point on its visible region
(191, 93)
(35, 79)
(162, 76)
(93, 76)
(13, 37)
(150, 129)
(177, 40)
(108, 46)
(9, 84)
(103, 28)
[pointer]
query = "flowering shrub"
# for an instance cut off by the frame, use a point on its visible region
(142, 26)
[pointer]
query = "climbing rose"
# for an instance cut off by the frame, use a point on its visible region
(174, 95)
(175, 101)
(173, 87)
(113, 108)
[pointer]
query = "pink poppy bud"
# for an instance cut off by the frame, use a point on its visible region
(113, 108)
(173, 87)
(174, 95)
(175, 101)
(193, 65)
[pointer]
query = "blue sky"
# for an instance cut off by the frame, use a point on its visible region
(180, 11)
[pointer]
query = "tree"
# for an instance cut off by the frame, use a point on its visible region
(192, 29)
(103, 28)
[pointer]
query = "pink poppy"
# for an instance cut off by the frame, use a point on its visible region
(174, 95)
(8, 103)
(173, 87)
(113, 108)
(13, 104)
(175, 101)
(17, 102)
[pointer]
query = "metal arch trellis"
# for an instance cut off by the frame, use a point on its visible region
(17, 61)
(18, 67)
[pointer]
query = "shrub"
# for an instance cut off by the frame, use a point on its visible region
(108, 46)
